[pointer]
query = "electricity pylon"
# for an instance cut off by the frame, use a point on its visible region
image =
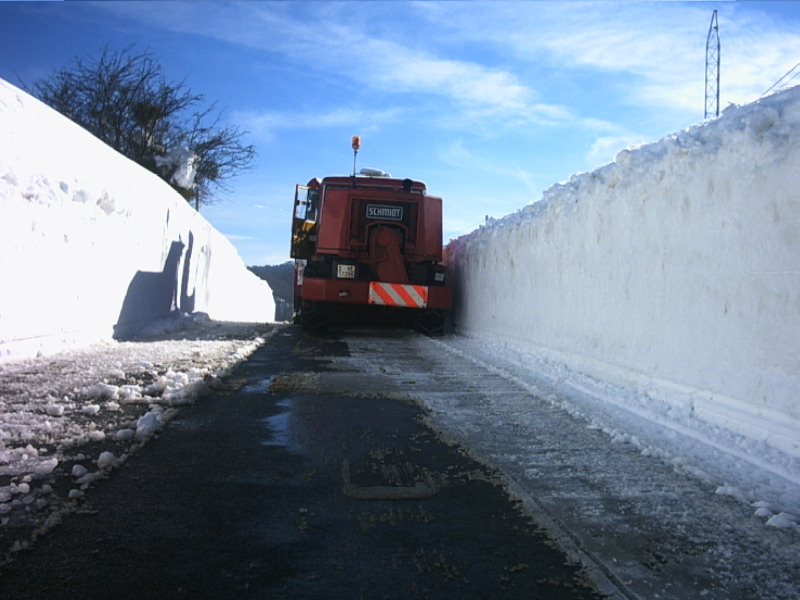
(712, 69)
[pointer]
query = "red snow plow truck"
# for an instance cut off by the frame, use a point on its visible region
(368, 249)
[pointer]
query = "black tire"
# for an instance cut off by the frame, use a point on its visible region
(431, 322)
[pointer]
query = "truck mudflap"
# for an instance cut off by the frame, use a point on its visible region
(376, 293)
(398, 294)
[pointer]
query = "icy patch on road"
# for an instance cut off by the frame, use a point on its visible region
(710, 456)
(655, 511)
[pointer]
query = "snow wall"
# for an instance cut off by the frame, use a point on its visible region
(667, 281)
(95, 246)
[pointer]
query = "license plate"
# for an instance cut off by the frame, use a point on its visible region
(346, 271)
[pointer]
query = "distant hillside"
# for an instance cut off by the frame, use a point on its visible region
(281, 279)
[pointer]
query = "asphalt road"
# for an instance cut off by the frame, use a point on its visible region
(292, 487)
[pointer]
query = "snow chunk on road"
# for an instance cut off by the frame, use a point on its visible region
(148, 424)
(54, 410)
(102, 391)
(46, 466)
(784, 521)
(106, 460)
(733, 492)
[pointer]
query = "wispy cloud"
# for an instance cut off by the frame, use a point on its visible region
(456, 154)
(327, 42)
(499, 63)
(606, 147)
(266, 123)
(659, 48)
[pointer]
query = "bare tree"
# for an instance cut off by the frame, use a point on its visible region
(124, 99)
(220, 154)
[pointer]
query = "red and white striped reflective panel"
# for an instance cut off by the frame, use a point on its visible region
(398, 294)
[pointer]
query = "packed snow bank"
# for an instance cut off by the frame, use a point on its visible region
(95, 245)
(667, 281)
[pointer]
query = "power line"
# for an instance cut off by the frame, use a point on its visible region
(781, 84)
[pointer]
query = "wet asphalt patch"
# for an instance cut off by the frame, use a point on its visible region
(307, 482)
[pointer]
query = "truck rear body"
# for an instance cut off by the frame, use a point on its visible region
(368, 248)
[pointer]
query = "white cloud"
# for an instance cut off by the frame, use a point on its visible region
(266, 123)
(329, 42)
(606, 147)
(498, 64)
(658, 48)
(237, 237)
(457, 155)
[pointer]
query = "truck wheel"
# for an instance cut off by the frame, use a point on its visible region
(431, 322)
(313, 315)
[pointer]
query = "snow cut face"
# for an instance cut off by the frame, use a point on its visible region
(105, 241)
(671, 274)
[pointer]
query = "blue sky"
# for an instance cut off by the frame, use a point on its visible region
(489, 103)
